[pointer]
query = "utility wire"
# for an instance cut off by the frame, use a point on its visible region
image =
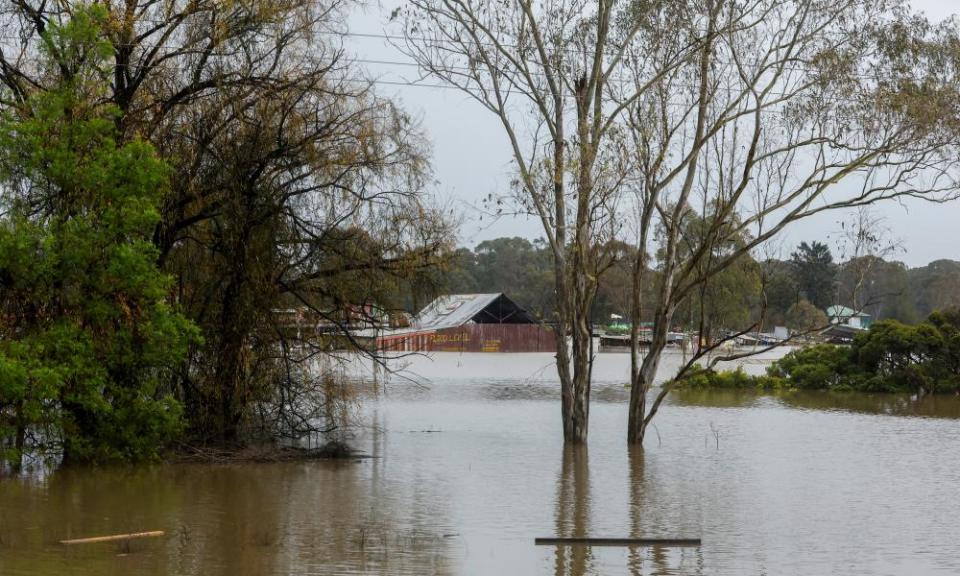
(389, 38)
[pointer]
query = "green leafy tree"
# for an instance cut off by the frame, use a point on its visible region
(805, 316)
(89, 338)
(945, 365)
(815, 273)
(779, 291)
(890, 357)
(516, 266)
(880, 288)
(730, 298)
(936, 286)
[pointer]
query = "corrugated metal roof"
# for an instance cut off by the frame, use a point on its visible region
(453, 310)
(838, 311)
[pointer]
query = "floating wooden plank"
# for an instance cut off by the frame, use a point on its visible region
(675, 542)
(113, 538)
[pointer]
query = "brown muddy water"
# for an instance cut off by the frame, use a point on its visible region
(469, 467)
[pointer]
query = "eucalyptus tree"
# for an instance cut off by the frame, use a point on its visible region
(622, 115)
(552, 74)
(789, 109)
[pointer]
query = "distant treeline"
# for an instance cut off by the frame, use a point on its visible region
(793, 292)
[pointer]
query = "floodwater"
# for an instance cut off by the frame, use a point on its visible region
(469, 467)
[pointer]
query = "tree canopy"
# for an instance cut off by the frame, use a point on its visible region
(88, 336)
(815, 273)
(275, 179)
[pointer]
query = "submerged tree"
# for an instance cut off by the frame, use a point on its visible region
(622, 115)
(307, 198)
(294, 186)
(87, 337)
(789, 108)
(552, 75)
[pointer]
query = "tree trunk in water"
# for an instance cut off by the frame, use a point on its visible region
(580, 409)
(638, 409)
(637, 418)
(643, 379)
(573, 368)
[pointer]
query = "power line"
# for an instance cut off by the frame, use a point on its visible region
(394, 63)
(388, 38)
(618, 79)
(688, 86)
(413, 84)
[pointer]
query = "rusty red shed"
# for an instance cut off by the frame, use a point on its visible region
(471, 323)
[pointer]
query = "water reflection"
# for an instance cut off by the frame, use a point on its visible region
(715, 398)
(933, 406)
(636, 456)
(656, 560)
(222, 519)
(573, 511)
(580, 506)
(890, 404)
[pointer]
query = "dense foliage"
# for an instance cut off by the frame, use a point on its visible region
(890, 357)
(517, 266)
(201, 197)
(198, 198)
(87, 333)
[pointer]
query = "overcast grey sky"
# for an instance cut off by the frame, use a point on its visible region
(471, 158)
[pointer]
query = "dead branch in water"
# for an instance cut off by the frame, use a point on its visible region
(113, 538)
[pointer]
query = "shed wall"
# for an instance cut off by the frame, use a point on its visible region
(475, 338)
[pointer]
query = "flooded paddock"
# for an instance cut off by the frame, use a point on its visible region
(468, 467)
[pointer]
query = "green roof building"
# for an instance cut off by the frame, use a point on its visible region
(849, 317)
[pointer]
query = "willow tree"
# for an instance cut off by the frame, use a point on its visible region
(550, 72)
(791, 108)
(294, 185)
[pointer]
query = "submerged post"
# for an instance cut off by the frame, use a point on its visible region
(675, 542)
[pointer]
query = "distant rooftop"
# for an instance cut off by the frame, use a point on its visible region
(454, 310)
(838, 311)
